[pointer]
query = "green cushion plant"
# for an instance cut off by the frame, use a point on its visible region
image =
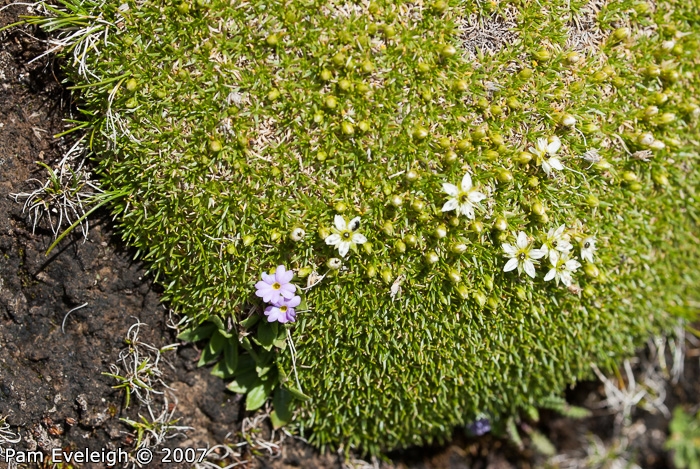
(478, 199)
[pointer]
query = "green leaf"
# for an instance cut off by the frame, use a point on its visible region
(246, 364)
(298, 394)
(282, 400)
(199, 333)
(250, 321)
(281, 339)
(244, 382)
(542, 443)
(267, 332)
(219, 323)
(256, 397)
(213, 348)
(512, 431)
(226, 367)
(277, 422)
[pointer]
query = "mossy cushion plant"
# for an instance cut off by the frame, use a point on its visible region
(477, 199)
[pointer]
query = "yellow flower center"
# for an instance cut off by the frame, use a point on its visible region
(276, 286)
(283, 309)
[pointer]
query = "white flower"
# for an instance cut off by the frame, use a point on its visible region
(463, 198)
(592, 155)
(344, 235)
(562, 268)
(543, 148)
(521, 255)
(588, 249)
(557, 239)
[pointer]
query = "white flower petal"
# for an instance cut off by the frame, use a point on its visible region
(509, 249)
(466, 182)
(550, 275)
(340, 223)
(566, 278)
(572, 265)
(564, 246)
(554, 257)
(476, 196)
(450, 205)
(333, 239)
(529, 268)
(521, 242)
(546, 167)
(467, 209)
(554, 145)
(358, 238)
(537, 253)
(343, 248)
(587, 255)
(558, 232)
(556, 164)
(511, 265)
(450, 189)
(541, 146)
(354, 223)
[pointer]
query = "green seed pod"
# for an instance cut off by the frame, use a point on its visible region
(367, 66)
(629, 176)
(589, 291)
(572, 58)
(458, 248)
(345, 85)
(645, 139)
(420, 133)
(461, 86)
(651, 111)
(389, 31)
(477, 227)
(652, 71)
(411, 175)
(670, 76)
(482, 103)
(291, 17)
(659, 98)
(331, 102)
(589, 128)
(183, 8)
(544, 219)
(368, 247)
(478, 134)
(464, 145)
(372, 28)
(440, 231)
(492, 303)
(504, 176)
(447, 51)
(304, 272)
(500, 224)
(275, 236)
(334, 263)
(599, 77)
(480, 298)
(396, 200)
(525, 73)
(272, 40)
(591, 270)
(440, 6)
(533, 181)
(248, 240)
(567, 120)
(462, 291)
(495, 110)
(340, 207)
(450, 157)
(273, 94)
(660, 179)
(387, 275)
(635, 186)
(431, 258)
(524, 157)
(161, 94)
(347, 128)
(538, 209)
(454, 221)
(542, 55)
(491, 155)
(444, 143)
(215, 146)
(666, 118)
(388, 228)
(602, 165)
(364, 126)
(324, 232)
(326, 75)
(621, 34)
(131, 85)
(371, 271)
(454, 276)
(318, 117)
(422, 67)
(426, 95)
(131, 103)
(321, 155)
(400, 246)
(592, 201)
(373, 8)
(362, 88)
(496, 138)
(513, 103)
(339, 59)
(411, 240)
(230, 249)
(418, 205)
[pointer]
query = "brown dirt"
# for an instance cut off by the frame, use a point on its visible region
(52, 390)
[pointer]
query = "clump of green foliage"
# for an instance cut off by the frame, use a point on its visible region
(685, 439)
(240, 130)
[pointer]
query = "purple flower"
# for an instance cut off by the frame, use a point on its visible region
(283, 311)
(479, 427)
(275, 287)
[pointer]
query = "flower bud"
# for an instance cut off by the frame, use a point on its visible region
(538, 209)
(275, 235)
(480, 298)
(454, 221)
(645, 139)
(396, 200)
(629, 176)
(431, 257)
(477, 227)
(450, 157)
(501, 224)
(388, 228)
(411, 175)
(215, 146)
(458, 248)
(324, 232)
(567, 120)
(304, 272)
(418, 205)
(542, 55)
(504, 176)
(525, 73)
(331, 102)
(462, 291)
(592, 200)
(231, 248)
(572, 58)
(347, 128)
(591, 270)
(400, 246)
(533, 182)
(460, 86)
(666, 118)
(440, 231)
(387, 275)
(513, 103)
(621, 33)
(334, 263)
(657, 145)
(420, 133)
(297, 234)
(524, 157)
(454, 276)
(448, 51)
(411, 240)
(589, 291)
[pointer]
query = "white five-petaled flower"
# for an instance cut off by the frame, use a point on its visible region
(588, 249)
(344, 236)
(464, 198)
(543, 148)
(556, 239)
(562, 267)
(522, 256)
